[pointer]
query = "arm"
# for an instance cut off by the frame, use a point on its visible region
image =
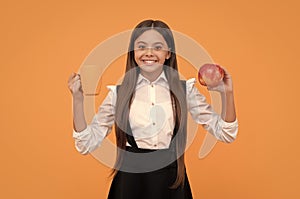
(79, 122)
(89, 137)
(226, 91)
(228, 107)
(224, 127)
(74, 83)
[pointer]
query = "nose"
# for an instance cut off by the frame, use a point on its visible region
(149, 52)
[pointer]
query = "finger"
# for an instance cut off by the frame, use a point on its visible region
(75, 79)
(226, 73)
(74, 82)
(209, 88)
(212, 88)
(219, 87)
(71, 76)
(74, 88)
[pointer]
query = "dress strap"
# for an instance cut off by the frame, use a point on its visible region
(129, 136)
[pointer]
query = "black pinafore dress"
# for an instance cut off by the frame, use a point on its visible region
(148, 185)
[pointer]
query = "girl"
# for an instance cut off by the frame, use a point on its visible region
(150, 117)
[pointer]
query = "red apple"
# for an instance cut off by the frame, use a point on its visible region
(210, 75)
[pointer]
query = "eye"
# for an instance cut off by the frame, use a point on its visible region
(157, 47)
(141, 46)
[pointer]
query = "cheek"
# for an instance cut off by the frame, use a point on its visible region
(163, 57)
(136, 57)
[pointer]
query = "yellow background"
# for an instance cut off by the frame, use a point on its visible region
(43, 42)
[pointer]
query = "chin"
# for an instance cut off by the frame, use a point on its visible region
(151, 68)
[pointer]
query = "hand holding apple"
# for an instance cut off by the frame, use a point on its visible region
(210, 75)
(215, 78)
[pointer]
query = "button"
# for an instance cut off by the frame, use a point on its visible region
(155, 145)
(152, 85)
(153, 123)
(152, 104)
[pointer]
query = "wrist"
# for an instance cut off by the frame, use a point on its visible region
(227, 91)
(78, 96)
(227, 94)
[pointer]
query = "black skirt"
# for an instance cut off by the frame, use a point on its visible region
(149, 185)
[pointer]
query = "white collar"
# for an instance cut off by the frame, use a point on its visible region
(161, 80)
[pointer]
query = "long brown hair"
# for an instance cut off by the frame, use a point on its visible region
(127, 91)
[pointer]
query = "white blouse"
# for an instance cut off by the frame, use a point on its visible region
(151, 117)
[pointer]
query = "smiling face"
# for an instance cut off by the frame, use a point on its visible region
(150, 53)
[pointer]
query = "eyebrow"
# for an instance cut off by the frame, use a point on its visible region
(158, 42)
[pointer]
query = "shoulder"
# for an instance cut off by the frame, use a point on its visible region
(112, 88)
(190, 84)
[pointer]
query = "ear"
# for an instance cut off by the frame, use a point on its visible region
(168, 55)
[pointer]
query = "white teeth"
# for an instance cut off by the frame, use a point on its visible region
(149, 61)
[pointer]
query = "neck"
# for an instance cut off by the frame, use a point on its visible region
(151, 76)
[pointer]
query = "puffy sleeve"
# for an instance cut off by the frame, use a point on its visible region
(203, 114)
(90, 138)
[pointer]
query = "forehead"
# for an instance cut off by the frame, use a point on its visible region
(151, 36)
